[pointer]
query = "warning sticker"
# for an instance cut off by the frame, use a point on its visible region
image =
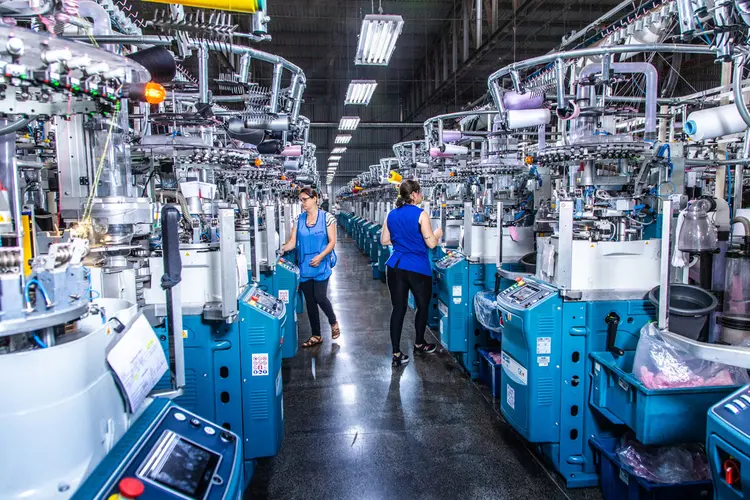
(510, 397)
(544, 345)
(457, 300)
(284, 296)
(542, 360)
(260, 365)
(457, 291)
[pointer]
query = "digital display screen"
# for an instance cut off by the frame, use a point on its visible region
(524, 293)
(182, 466)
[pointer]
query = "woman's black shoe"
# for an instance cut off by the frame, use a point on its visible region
(399, 359)
(425, 348)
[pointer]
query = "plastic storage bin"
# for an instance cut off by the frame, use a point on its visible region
(618, 482)
(489, 371)
(657, 416)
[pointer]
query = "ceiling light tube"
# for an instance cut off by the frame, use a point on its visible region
(349, 123)
(360, 92)
(338, 151)
(343, 139)
(377, 39)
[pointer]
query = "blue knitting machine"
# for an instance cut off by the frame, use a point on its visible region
(546, 369)
(233, 372)
(458, 280)
(283, 283)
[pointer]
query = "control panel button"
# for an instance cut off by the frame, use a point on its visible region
(131, 487)
(180, 416)
(227, 436)
(746, 398)
(739, 403)
(732, 408)
(209, 430)
(195, 422)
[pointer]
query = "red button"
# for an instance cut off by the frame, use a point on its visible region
(254, 297)
(131, 487)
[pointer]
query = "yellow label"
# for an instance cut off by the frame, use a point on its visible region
(187, 254)
(184, 334)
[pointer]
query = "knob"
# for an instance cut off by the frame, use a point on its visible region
(131, 487)
(195, 422)
(227, 436)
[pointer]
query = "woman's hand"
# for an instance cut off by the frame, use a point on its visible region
(315, 262)
(285, 249)
(438, 233)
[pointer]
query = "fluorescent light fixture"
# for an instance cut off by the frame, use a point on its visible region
(333, 164)
(360, 92)
(377, 39)
(334, 158)
(343, 139)
(338, 151)
(349, 123)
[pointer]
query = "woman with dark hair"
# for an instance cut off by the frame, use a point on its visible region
(314, 236)
(407, 228)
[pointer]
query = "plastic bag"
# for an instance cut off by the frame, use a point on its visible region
(486, 310)
(661, 365)
(665, 464)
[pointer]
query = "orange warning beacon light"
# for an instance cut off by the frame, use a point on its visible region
(154, 93)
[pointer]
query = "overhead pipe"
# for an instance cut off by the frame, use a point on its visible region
(630, 68)
(494, 78)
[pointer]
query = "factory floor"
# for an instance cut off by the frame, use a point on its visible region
(355, 428)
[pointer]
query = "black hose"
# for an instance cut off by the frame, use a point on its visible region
(16, 126)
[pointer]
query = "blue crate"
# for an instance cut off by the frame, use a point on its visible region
(618, 482)
(657, 416)
(489, 370)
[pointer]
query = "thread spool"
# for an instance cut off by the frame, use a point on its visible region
(714, 122)
(291, 165)
(295, 150)
(451, 135)
(528, 118)
(452, 149)
(436, 153)
(514, 101)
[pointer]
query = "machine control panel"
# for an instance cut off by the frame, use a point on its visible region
(524, 295)
(450, 259)
(257, 298)
(735, 410)
(169, 453)
(291, 266)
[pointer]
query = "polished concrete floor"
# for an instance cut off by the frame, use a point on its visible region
(355, 428)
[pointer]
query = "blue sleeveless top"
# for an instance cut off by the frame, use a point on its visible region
(311, 241)
(410, 252)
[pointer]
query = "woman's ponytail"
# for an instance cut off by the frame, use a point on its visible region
(405, 190)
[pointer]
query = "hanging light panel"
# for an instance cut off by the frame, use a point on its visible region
(349, 123)
(360, 92)
(343, 139)
(377, 39)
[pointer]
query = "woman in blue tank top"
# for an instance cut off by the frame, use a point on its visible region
(407, 228)
(314, 237)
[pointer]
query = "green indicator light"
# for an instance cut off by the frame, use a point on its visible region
(55, 83)
(76, 88)
(94, 92)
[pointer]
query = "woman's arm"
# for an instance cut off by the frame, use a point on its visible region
(291, 242)
(430, 238)
(385, 236)
(315, 262)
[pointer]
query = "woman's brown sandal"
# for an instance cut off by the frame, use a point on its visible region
(314, 340)
(335, 331)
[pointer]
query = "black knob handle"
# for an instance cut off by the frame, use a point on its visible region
(613, 321)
